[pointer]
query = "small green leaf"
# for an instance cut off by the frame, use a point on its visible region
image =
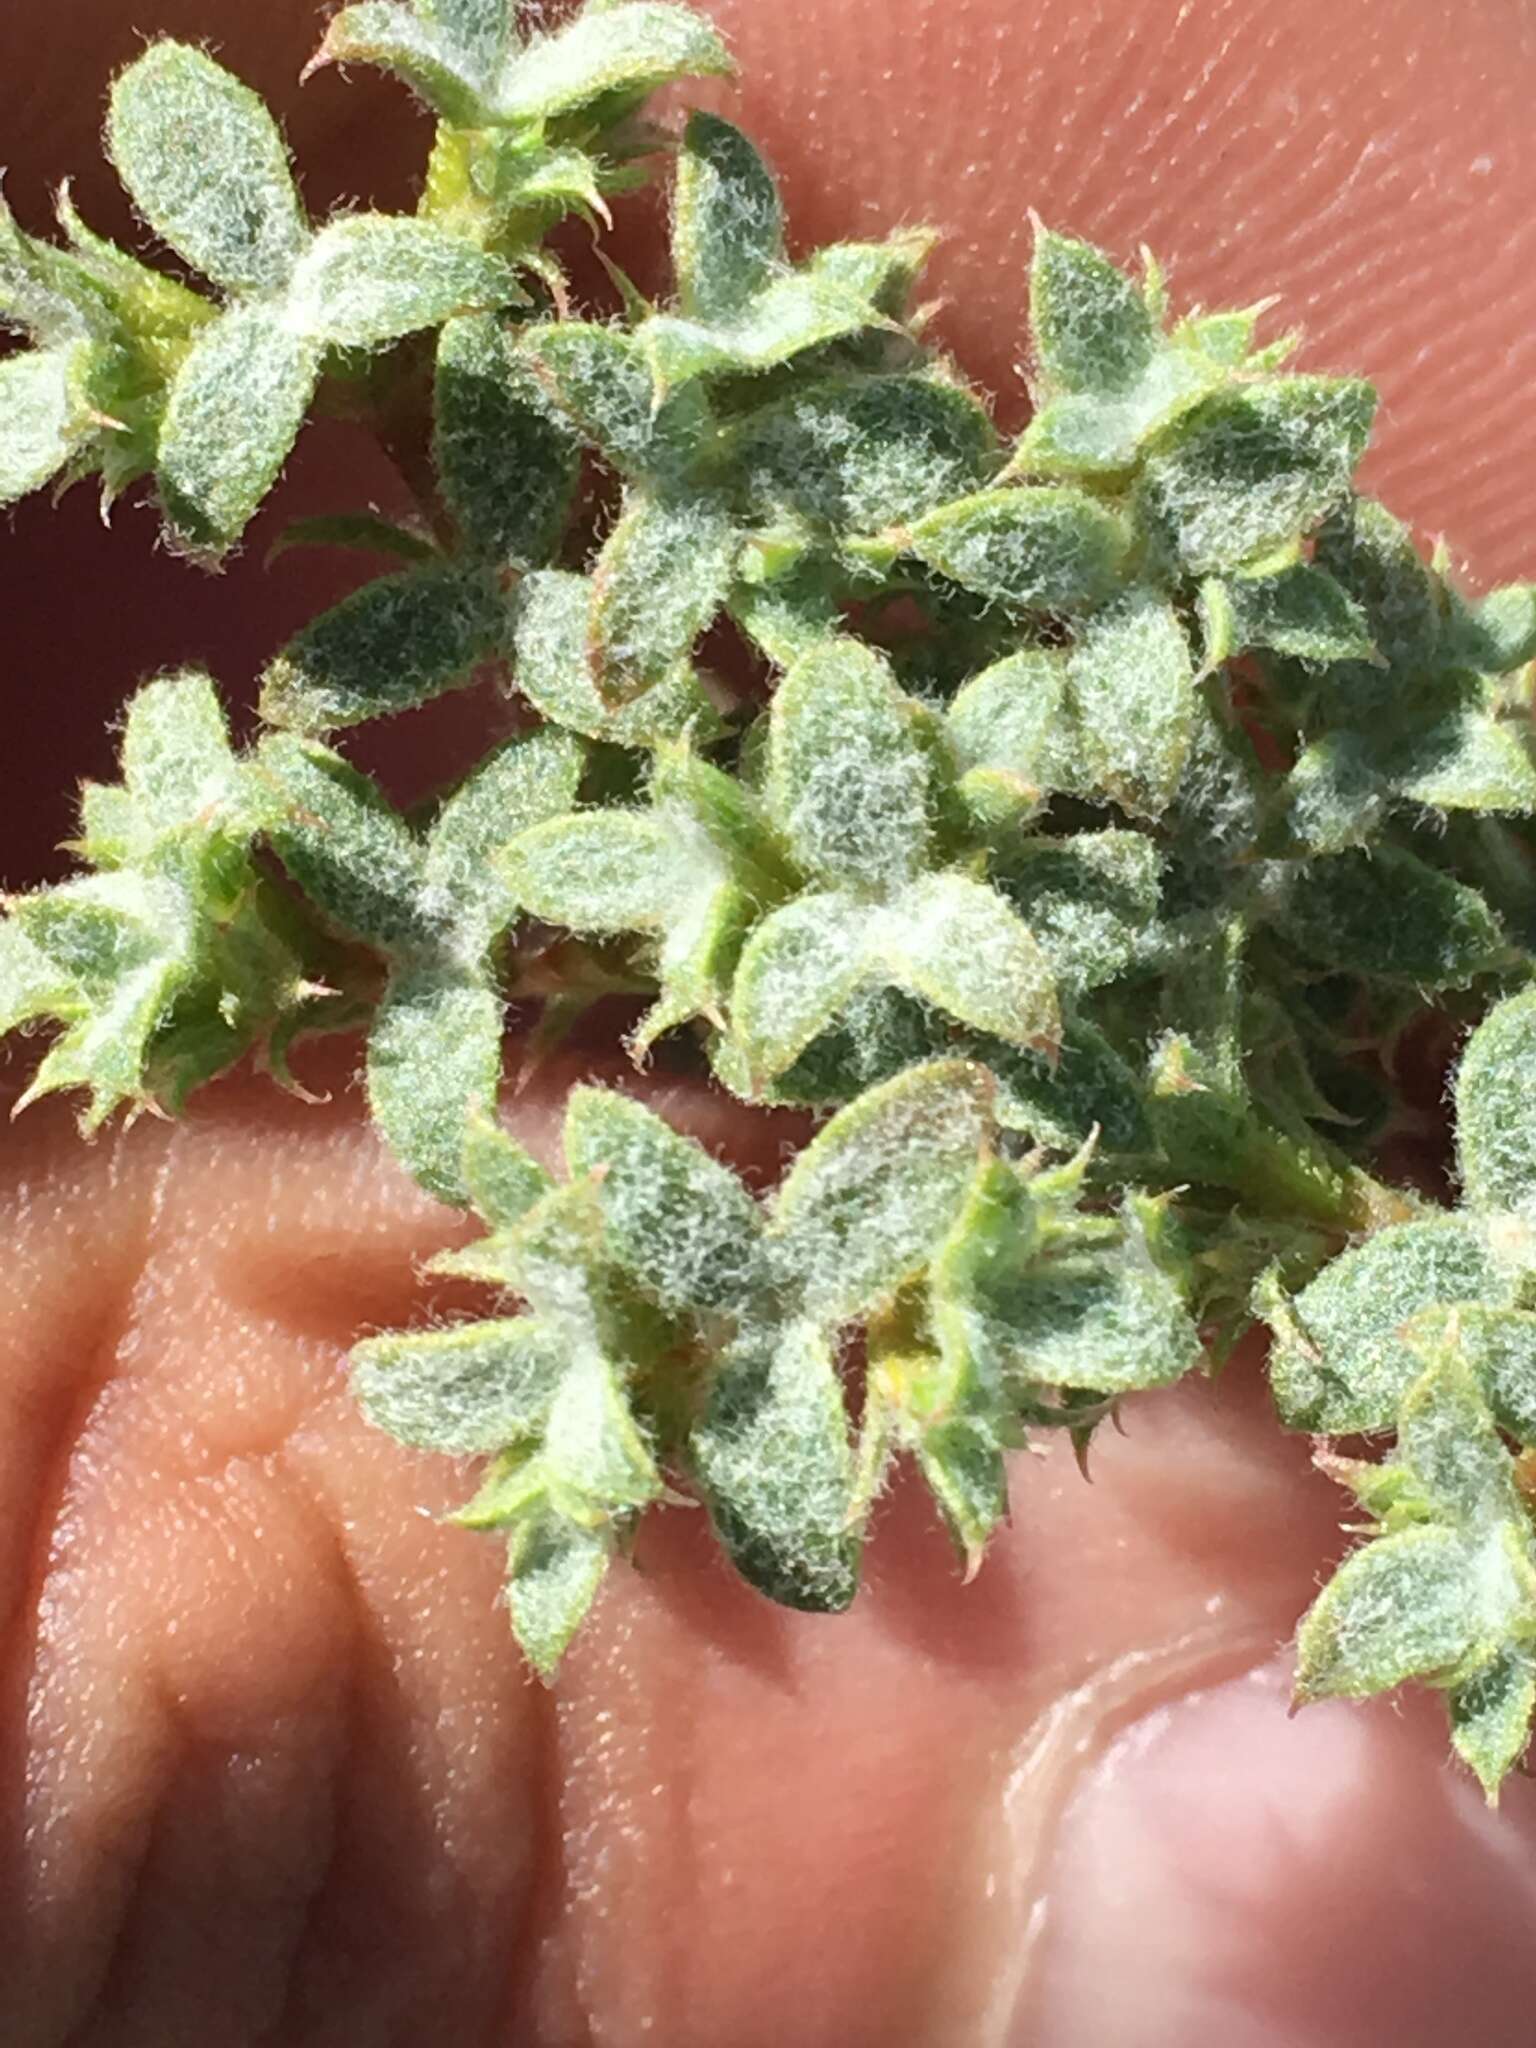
(347, 849)
(517, 785)
(1387, 913)
(551, 621)
(595, 1454)
(1400, 1607)
(506, 458)
(1061, 1102)
(1007, 728)
(772, 1456)
(658, 581)
(1372, 556)
(727, 224)
(397, 39)
(234, 411)
(787, 317)
(31, 985)
(797, 973)
(1301, 611)
(1091, 326)
(42, 405)
(957, 944)
(503, 1179)
(857, 454)
(434, 1058)
(360, 532)
(205, 165)
(1092, 901)
(629, 49)
(1491, 1716)
(1340, 1361)
(178, 766)
(397, 642)
(678, 1222)
(848, 781)
(601, 871)
(481, 29)
(599, 379)
(554, 1569)
(868, 1200)
(473, 1388)
(372, 277)
(1252, 469)
(1092, 434)
(1496, 1108)
(1038, 548)
(1130, 682)
(1498, 633)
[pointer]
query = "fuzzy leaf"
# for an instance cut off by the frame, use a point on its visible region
(554, 1569)
(31, 985)
(789, 316)
(472, 1388)
(1399, 1607)
(678, 1222)
(550, 628)
(178, 766)
(1039, 548)
(599, 379)
(727, 224)
(957, 944)
(1491, 1716)
(517, 785)
(1373, 557)
(205, 165)
(796, 974)
(347, 849)
(1386, 913)
(1498, 632)
(848, 781)
(660, 578)
(434, 1058)
(600, 871)
(1091, 901)
(1091, 326)
(856, 454)
(1251, 469)
(504, 1180)
(772, 1456)
(1496, 1108)
(1060, 1103)
(1301, 611)
(1340, 1361)
(234, 411)
(398, 39)
(630, 49)
(41, 404)
(397, 642)
(593, 1450)
(1006, 728)
(372, 277)
(1089, 434)
(869, 1198)
(1131, 685)
(505, 457)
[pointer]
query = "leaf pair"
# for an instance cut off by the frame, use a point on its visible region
(174, 958)
(434, 905)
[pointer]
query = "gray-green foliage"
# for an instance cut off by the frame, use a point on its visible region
(1080, 831)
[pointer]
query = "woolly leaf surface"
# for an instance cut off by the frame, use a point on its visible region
(205, 165)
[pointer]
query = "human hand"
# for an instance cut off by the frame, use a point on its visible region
(272, 1770)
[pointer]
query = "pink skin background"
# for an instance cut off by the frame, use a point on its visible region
(270, 1772)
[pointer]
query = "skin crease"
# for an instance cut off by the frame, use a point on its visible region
(270, 1773)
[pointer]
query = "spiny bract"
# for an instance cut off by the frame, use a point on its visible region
(1116, 801)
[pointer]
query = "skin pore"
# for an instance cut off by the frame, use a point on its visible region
(270, 1771)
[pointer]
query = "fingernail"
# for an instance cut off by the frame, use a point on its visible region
(1228, 1873)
